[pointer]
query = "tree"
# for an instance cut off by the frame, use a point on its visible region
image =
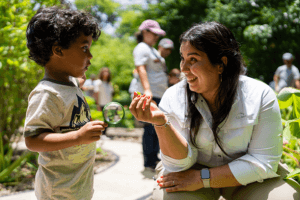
(18, 74)
(105, 11)
(116, 54)
(265, 29)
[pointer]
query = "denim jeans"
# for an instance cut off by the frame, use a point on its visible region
(150, 143)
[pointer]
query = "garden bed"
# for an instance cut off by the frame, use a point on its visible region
(103, 160)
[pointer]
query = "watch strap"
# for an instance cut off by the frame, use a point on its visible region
(206, 183)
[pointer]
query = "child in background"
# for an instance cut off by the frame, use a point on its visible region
(103, 92)
(174, 77)
(58, 122)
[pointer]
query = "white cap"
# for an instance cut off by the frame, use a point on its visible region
(166, 43)
(287, 56)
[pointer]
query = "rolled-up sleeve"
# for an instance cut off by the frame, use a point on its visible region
(167, 104)
(265, 148)
(175, 165)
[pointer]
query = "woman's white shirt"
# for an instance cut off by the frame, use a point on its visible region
(251, 134)
(155, 66)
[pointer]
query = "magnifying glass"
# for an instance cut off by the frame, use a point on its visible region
(113, 113)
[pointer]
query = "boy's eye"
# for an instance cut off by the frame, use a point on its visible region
(85, 48)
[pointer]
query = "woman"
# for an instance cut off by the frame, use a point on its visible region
(219, 131)
(153, 78)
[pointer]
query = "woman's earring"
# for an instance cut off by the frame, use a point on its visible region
(221, 78)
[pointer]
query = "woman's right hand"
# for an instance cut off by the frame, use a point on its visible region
(144, 110)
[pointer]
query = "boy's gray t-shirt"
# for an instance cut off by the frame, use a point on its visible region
(155, 67)
(287, 76)
(60, 107)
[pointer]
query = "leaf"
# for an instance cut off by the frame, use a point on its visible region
(294, 173)
(287, 132)
(285, 97)
(7, 171)
(293, 183)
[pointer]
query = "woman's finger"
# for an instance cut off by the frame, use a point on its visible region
(139, 105)
(170, 183)
(133, 104)
(135, 94)
(147, 103)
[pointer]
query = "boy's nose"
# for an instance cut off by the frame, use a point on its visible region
(90, 56)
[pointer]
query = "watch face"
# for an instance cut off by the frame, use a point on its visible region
(205, 174)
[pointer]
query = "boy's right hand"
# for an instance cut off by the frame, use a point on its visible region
(91, 132)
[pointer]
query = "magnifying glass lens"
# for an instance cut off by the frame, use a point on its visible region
(113, 113)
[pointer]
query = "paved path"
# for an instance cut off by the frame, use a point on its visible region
(124, 180)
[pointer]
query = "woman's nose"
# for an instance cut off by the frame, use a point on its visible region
(184, 67)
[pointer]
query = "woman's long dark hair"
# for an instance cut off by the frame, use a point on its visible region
(216, 41)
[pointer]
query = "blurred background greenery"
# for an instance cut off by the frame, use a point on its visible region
(265, 30)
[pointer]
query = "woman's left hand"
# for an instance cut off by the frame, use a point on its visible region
(188, 180)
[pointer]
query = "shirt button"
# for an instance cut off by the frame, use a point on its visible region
(201, 100)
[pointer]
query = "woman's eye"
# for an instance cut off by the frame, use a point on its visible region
(181, 58)
(193, 59)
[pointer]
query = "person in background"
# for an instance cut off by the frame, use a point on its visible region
(220, 132)
(58, 119)
(165, 47)
(81, 81)
(286, 75)
(135, 84)
(88, 86)
(103, 91)
(174, 77)
(151, 68)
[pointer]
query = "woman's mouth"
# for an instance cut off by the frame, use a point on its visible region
(191, 79)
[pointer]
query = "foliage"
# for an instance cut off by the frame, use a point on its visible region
(132, 17)
(116, 54)
(288, 100)
(265, 30)
(105, 11)
(18, 76)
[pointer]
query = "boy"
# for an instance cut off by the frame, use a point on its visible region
(57, 121)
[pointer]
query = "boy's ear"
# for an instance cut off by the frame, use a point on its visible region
(57, 50)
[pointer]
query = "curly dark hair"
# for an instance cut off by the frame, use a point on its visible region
(57, 26)
(216, 40)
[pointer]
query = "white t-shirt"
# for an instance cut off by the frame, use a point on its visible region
(287, 76)
(60, 107)
(155, 67)
(105, 90)
(251, 134)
